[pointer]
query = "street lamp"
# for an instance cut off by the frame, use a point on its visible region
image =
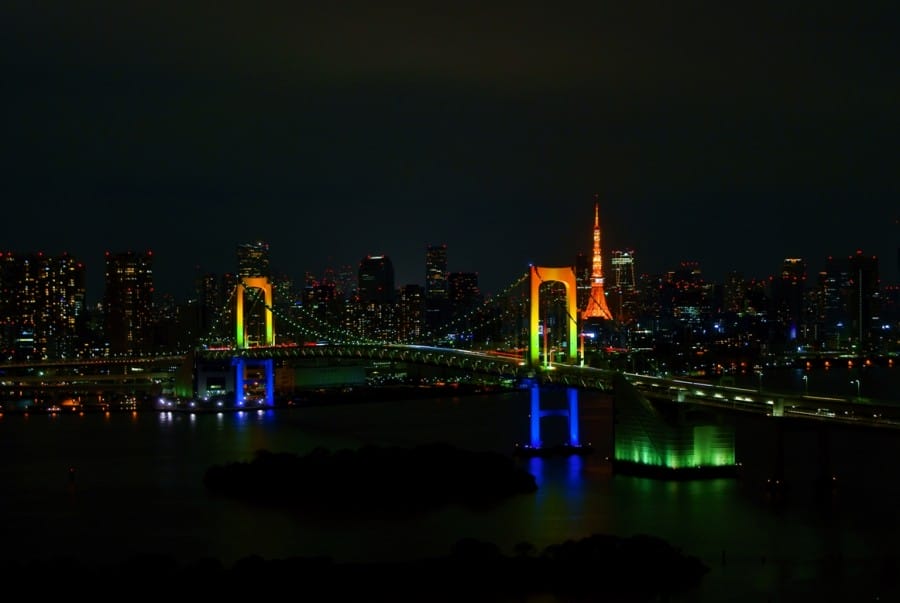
(760, 374)
(805, 385)
(856, 381)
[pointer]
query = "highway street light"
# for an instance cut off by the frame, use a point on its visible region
(805, 384)
(856, 381)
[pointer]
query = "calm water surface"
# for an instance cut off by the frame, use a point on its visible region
(137, 488)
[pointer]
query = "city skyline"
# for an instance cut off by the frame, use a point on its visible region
(95, 283)
(725, 135)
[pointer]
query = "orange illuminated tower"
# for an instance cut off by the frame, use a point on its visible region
(596, 306)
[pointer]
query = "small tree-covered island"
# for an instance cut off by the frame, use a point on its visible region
(373, 479)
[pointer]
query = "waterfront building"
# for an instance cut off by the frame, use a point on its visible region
(128, 302)
(42, 304)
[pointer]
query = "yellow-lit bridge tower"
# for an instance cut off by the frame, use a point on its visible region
(252, 282)
(240, 363)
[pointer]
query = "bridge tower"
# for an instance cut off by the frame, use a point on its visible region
(566, 276)
(240, 363)
(248, 282)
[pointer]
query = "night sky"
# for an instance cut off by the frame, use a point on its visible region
(730, 135)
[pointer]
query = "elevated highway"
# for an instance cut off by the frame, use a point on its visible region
(831, 409)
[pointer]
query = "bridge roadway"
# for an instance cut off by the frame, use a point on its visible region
(502, 365)
(69, 374)
(864, 412)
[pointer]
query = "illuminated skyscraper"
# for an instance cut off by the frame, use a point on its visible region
(376, 279)
(128, 302)
(463, 292)
(623, 269)
(436, 287)
(215, 315)
(596, 306)
(436, 271)
(253, 259)
(375, 314)
(788, 293)
(41, 304)
(411, 313)
(582, 278)
(624, 282)
(863, 295)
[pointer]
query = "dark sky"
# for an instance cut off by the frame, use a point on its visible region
(733, 134)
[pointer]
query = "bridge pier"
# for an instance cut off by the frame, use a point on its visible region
(570, 412)
(240, 365)
(669, 438)
(778, 407)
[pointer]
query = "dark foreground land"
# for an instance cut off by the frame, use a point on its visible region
(383, 481)
(598, 568)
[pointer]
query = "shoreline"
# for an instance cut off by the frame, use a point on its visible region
(300, 399)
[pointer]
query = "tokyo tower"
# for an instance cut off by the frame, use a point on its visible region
(596, 306)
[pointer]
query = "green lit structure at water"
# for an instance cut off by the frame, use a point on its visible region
(670, 439)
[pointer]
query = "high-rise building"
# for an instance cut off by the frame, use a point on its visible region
(209, 309)
(849, 293)
(322, 299)
(41, 305)
(436, 271)
(582, 279)
(412, 313)
(376, 279)
(66, 305)
(128, 302)
(436, 288)
(463, 292)
(788, 298)
(622, 262)
(253, 259)
(864, 297)
(624, 282)
(596, 304)
(374, 315)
